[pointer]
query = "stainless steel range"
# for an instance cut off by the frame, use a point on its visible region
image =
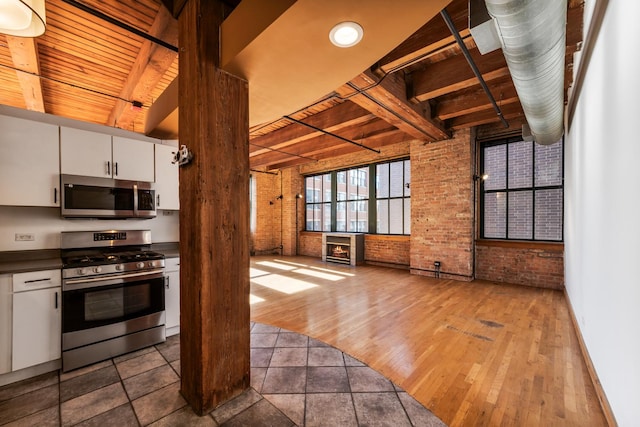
(112, 295)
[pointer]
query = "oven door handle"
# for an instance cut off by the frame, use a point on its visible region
(95, 282)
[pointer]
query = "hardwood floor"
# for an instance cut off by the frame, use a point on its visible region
(474, 353)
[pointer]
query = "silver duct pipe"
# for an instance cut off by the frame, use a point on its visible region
(533, 36)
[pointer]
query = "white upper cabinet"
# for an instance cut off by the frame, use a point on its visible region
(133, 159)
(95, 154)
(85, 153)
(167, 184)
(29, 163)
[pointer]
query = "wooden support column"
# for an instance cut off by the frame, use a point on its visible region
(214, 215)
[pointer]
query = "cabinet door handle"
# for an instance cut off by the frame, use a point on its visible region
(38, 280)
(55, 195)
(115, 168)
(108, 168)
(56, 303)
(158, 202)
(166, 282)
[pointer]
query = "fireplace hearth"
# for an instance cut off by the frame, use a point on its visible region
(343, 248)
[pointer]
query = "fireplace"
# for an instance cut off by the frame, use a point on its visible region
(343, 248)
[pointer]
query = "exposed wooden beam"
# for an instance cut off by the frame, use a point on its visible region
(389, 137)
(333, 120)
(455, 74)
(386, 98)
(474, 99)
(150, 65)
(24, 53)
(311, 148)
(509, 111)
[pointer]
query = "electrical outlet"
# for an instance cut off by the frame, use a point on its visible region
(25, 237)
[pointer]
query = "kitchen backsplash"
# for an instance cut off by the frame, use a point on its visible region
(45, 225)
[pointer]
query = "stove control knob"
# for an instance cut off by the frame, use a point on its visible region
(150, 263)
(119, 267)
(140, 265)
(97, 269)
(82, 271)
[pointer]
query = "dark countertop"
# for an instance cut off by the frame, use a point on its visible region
(169, 249)
(47, 259)
(34, 260)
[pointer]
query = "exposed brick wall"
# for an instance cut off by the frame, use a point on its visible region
(391, 250)
(310, 244)
(265, 233)
(442, 207)
(292, 184)
(537, 265)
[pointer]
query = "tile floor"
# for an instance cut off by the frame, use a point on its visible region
(296, 381)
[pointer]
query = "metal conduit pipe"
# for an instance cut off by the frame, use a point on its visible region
(533, 36)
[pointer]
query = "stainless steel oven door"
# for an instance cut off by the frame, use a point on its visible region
(100, 308)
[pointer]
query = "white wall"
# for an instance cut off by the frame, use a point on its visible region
(602, 210)
(46, 224)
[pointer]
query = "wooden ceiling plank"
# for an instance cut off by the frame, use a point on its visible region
(333, 119)
(475, 99)
(488, 116)
(24, 51)
(150, 65)
(392, 136)
(368, 136)
(432, 37)
(455, 74)
(386, 99)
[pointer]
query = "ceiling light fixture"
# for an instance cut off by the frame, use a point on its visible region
(346, 34)
(22, 18)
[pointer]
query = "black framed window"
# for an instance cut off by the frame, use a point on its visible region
(352, 207)
(318, 197)
(522, 196)
(368, 199)
(393, 197)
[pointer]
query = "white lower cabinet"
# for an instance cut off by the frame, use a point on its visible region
(37, 326)
(172, 295)
(5, 323)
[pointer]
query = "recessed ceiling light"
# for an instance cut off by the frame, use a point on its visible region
(346, 34)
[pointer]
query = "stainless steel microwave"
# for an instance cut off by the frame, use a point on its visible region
(89, 197)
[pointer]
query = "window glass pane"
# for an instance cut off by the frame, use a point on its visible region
(520, 215)
(548, 211)
(407, 216)
(327, 188)
(396, 217)
(360, 186)
(520, 166)
(326, 220)
(407, 178)
(495, 166)
(495, 215)
(341, 217)
(352, 216)
(382, 226)
(548, 164)
(382, 180)
(363, 215)
(397, 179)
(309, 184)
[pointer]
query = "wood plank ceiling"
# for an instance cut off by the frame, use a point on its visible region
(89, 69)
